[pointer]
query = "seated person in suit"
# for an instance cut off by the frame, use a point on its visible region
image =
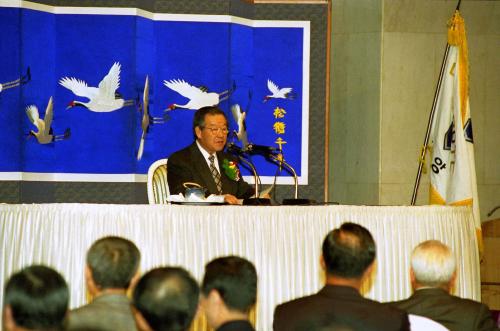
(112, 267)
(432, 275)
(348, 256)
(205, 163)
(35, 298)
(165, 299)
(229, 291)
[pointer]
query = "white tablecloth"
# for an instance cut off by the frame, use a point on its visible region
(283, 242)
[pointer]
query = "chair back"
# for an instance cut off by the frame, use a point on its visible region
(158, 191)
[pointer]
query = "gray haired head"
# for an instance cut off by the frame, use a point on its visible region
(433, 264)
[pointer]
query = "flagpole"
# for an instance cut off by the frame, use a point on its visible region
(429, 123)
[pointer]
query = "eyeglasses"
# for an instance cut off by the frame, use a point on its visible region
(214, 130)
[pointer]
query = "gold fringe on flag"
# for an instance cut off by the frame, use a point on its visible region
(457, 37)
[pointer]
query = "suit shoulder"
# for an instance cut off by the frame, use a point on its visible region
(82, 309)
(291, 313)
(321, 310)
(79, 316)
(393, 309)
(181, 154)
(472, 304)
(299, 301)
(297, 304)
(400, 304)
(387, 307)
(185, 150)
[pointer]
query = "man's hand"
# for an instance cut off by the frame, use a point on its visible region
(230, 199)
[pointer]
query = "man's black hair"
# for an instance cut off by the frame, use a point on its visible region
(38, 297)
(348, 251)
(167, 298)
(113, 262)
(235, 279)
(199, 116)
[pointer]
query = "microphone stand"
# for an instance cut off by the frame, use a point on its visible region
(256, 201)
(295, 200)
(252, 201)
(254, 171)
(292, 170)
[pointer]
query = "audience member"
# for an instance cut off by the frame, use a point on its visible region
(112, 266)
(35, 298)
(165, 299)
(432, 275)
(348, 256)
(229, 291)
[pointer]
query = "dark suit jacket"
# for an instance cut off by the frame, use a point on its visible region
(106, 312)
(455, 313)
(189, 165)
(236, 326)
(338, 308)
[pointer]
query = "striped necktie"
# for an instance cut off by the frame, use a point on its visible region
(215, 174)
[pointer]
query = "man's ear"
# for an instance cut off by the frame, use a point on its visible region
(89, 281)
(369, 270)
(88, 273)
(197, 130)
(134, 280)
(140, 321)
(8, 320)
(368, 277)
(413, 280)
(214, 297)
(452, 283)
(322, 262)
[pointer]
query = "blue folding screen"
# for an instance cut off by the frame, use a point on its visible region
(220, 53)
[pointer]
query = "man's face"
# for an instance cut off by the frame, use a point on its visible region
(212, 137)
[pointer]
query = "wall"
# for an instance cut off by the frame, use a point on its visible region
(412, 40)
(355, 100)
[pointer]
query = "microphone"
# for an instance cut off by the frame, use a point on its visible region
(240, 153)
(260, 149)
(236, 150)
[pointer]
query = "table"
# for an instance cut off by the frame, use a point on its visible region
(284, 242)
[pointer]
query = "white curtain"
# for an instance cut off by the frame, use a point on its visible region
(283, 242)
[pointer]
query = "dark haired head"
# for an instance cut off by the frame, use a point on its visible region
(38, 298)
(167, 298)
(348, 251)
(113, 262)
(199, 116)
(235, 279)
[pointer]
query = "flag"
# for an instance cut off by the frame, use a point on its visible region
(453, 175)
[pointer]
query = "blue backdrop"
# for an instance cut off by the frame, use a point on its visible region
(211, 54)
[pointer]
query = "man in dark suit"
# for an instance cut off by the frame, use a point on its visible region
(432, 275)
(229, 291)
(348, 256)
(35, 298)
(165, 299)
(204, 161)
(112, 267)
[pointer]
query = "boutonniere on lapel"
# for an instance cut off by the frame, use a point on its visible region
(231, 169)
